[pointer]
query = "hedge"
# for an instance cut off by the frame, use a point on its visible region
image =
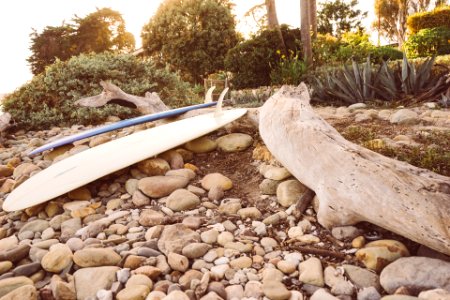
(439, 17)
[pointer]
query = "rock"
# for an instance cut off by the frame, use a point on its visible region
(175, 237)
(35, 226)
(218, 288)
(241, 262)
(218, 272)
(230, 206)
(209, 236)
(62, 290)
(368, 293)
(27, 292)
(234, 291)
(201, 145)
(253, 289)
(9, 284)
(150, 271)
(272, 274)
(192, 222)
(186, 173)
(5, 266)
(161, 186)
(96, 257)
(148, 252)
(216, 179)
(433, 274)
(376, 255)
(234, 142)
(176, 295)
(362, 278)
(195, 250)
(139, 199)
(357, 106)
(358, 242)
(24, 169)
(216, 193)
(182, 199)
(131, 185)
(153, 166)
(287, 266)
(311, 272)
(289, 192)
(345, 232)
(174, 159)
(155, 295)
(269, 187)
(178, 262)
(436, 294)
(295, 232)
(139, 279)
(8, 243)
(81, 193)
(69, 228)
(6, 171)
(136, 292)
(322, 294)
(27, 269)
(307, 239)
(89, 280)
(15, 254)
(150, 217)
(249, 212)
(275, 173)
(186, 279)
(57, 259)
(275, 290)
(211, 296)
(404, 116)
(399, 297)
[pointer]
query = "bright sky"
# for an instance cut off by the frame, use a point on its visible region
(18, 17)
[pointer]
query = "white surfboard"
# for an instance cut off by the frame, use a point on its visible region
(89, 165)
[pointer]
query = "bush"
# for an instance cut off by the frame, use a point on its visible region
(440, 17)
(429, 42)
(288, 71)
(252, 60)
(47, 100)
(353, 46)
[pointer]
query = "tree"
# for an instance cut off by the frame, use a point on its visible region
(392, 16)
(102, 30)
(313, 17)
(52, 43)
(336, 17)
(191, 35)
(305, 30)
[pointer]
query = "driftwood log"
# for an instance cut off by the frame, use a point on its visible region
(352, 183)
(149, 104)
(5, 118)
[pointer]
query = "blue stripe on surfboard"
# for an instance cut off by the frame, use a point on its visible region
(118, 125)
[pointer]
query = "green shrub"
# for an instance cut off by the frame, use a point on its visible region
(324, 49)
(47, 100)
(384, 53)
(251, 61)
(440, 17)
(288, 71)
(429, 42)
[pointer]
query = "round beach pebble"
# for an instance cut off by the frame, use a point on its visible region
(216, 179)
(234, 142)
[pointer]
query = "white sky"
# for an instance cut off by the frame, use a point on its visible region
(17, 17)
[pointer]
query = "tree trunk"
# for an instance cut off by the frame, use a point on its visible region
(305, 31)
(352, 183)
(149, 104)
(313, 17)
(272, 23)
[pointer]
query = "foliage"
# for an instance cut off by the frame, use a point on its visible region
(191, 35)
(252, 97)
(48, 99)
(402, 82)
(288, 71)
(339, 16)
(439, 17)
(328, 50)
(102, 30)
(429, 42)
(251, 61)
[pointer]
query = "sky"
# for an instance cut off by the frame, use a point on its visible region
(18, 17)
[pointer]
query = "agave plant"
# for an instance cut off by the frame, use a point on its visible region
(357, 83)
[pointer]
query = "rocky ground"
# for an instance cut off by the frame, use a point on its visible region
(214, 219)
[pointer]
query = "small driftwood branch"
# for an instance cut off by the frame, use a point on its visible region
(352, 183)
(5, 118)
(149, 104)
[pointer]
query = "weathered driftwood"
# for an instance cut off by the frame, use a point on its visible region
(354, 184)
(149, 104)
(5, 118)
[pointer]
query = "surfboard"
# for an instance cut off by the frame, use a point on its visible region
(118, 125)
(130, 122)
(89, 165)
